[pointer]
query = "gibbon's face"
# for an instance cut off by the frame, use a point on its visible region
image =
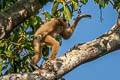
(64, 21)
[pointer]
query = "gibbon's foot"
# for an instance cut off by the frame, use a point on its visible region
(33, 67)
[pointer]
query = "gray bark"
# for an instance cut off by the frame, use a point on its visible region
(11, 17)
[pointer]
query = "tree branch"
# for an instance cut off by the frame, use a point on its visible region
(16, 14)
(77, 55)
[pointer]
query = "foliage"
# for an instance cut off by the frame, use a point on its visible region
(102, 3)
(117, 3)
(17, 50)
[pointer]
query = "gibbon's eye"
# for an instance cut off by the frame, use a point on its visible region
(64, 20)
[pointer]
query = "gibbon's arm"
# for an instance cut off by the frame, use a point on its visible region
(67, 33)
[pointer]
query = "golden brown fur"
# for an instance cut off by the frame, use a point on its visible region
(48, 31)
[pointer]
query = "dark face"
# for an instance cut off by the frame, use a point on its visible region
(64, 21)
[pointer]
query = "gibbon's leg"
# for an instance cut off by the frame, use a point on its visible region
(67, 33)
(55, 46)
(37, 51)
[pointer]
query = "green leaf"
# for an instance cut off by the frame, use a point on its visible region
(9, 47)
(1, 63)
(9, 52)
(18, 70)
(119, 5)
(45, 50)
(33, 21)
(67, 12)
(47, 15)
(59, 39)
(54, 8)
(30, 51)
(0, 51)
(83, 1)
(102, 3)
(23, 45)
(38, 18)
(1, 44)
(96, 1)
(58, 13)
(74, 4)
(15, 36)
(25, 26)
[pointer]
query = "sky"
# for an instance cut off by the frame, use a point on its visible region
(104, 68)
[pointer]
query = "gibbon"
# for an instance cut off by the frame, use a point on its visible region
(46, 33)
